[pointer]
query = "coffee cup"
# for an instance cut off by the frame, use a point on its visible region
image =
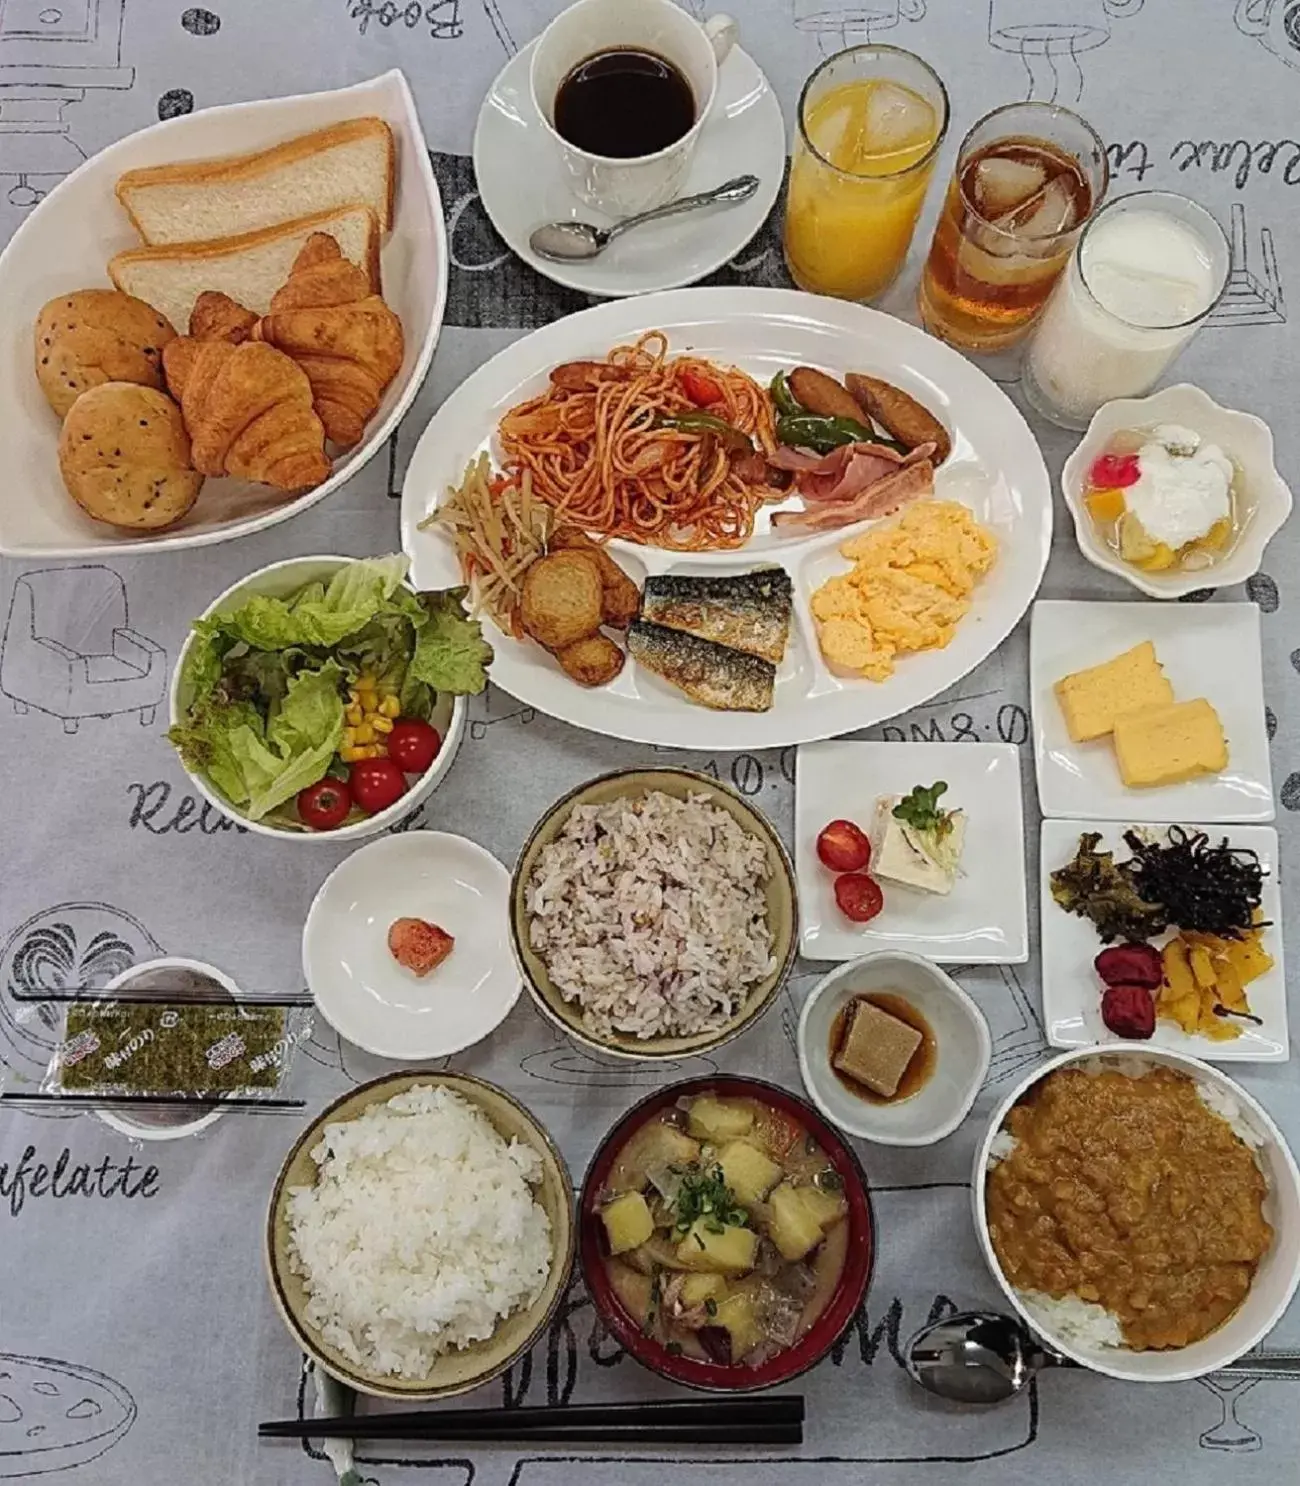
(617, 186)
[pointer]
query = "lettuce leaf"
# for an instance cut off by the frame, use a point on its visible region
(451, 654)
(317, 615)
(259, 765)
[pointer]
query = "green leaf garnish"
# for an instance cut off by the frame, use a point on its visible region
(920, 809)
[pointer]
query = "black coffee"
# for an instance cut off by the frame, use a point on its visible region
(624, 103)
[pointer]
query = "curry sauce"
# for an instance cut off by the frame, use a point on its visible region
(1132, 1194)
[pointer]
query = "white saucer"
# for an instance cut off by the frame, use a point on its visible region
(361, 990)
(522, 184)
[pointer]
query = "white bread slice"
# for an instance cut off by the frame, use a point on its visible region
(249, 268)
(200, 200)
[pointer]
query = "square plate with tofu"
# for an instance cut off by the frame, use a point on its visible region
(1072, 988)
(982, 918)
(1169, 697)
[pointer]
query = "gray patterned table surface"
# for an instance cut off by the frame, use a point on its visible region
(136, 1272)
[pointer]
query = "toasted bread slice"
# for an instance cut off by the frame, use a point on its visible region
(199, 200)
(249, 268)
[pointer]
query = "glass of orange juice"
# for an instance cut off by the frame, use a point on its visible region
(871, 120)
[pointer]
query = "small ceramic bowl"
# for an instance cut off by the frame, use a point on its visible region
(1264, 500)
(165, 978)
(458, 1370)
(1275, 1280)
(845, 1301)
(279, 580)
(962, 1050)
(782, 911)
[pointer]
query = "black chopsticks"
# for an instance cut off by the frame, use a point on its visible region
(731, 1421)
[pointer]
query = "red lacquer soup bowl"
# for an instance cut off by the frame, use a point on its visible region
(846, 1298)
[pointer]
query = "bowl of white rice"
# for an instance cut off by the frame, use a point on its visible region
(1090, 1335)
(420, 1235)
(653, 913)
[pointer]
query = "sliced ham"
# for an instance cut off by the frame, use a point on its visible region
(888, 495)
(807, 460)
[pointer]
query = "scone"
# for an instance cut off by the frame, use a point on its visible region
(125, 457)
(94, 336)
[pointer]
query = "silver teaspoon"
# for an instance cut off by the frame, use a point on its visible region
(985, 1357)
(568, 242)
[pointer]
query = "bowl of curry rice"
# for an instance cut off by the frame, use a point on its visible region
(1140, 1211)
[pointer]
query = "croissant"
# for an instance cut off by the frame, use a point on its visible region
(247, 406)
(343, 336)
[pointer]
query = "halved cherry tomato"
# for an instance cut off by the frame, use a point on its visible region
(700, 388)
(1114, 470)
(376, 784)
(413, 744)
(859, 896)
(843, 847)
(325, 804)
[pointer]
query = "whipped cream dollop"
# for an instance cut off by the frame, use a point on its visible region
(1183, 489)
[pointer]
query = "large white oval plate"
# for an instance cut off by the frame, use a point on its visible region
(995, 468)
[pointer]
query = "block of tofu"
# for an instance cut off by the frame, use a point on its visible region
(1170, 744)
(1091, 700)
(876, 1049)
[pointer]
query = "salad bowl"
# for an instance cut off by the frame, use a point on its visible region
(284, 580)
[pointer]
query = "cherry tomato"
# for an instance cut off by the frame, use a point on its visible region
(700, 388)
(843, 847)
(325, 804)
(413, 745)
(1114, 470)
(859, 896)
(376, 784)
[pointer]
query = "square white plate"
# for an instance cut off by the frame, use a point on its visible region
(1207, 650)
(1072, 989)
(983, 920)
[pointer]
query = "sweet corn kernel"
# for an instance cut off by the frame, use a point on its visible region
(390, 707)
(349, 738)
(353, 715)
(376, 750)
(363, 734)
(352, 755)
(380, 723)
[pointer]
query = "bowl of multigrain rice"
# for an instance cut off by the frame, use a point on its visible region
(653, 913)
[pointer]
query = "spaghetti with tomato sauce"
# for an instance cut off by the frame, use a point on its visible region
(666, 452)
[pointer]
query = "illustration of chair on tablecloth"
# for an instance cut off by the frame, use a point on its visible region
(69, 650)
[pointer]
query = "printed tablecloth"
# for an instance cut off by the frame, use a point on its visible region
(138, 1343)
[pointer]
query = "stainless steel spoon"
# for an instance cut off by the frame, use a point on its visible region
(985, 1357)
(568, 242)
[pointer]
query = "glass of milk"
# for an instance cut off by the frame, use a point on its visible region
(1145, 273)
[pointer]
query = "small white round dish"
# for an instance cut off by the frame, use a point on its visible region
(163, 977)
(962, 1050)
(279, 580)
(1264, 503)
(523, 183)
(1278, 1273)
(361, 990)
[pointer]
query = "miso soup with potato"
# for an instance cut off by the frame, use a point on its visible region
(726, 1229)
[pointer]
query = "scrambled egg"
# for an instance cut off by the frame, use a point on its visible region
(909, 588)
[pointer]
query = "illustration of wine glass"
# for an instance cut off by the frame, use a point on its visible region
(1229, 1433)
(840, 23)
(1049, 35)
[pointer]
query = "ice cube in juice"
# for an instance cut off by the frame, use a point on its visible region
(857, 182)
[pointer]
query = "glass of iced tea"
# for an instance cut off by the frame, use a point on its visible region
(871, 120)
(1028, 177)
